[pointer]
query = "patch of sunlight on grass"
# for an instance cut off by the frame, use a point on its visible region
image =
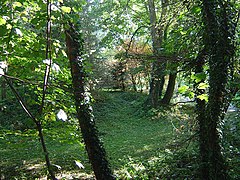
(34, 167)
(145, 148)
(75, 175)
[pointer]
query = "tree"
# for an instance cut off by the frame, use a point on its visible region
(10, 48)
(170, 87)
(160, 28)
(218, 18)
(157, 33)
(94, 147)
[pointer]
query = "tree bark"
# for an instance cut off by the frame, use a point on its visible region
(4, 90)
(134, 84)
(219, 43)
(170, 89)
(94, 147)
(201, 110)
(158, 67)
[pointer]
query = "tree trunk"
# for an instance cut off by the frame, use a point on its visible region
(157, 74)
(134, 84)
(4, 90)
(219, 42)
(94, 147)
(200, 110)
(170, 89)
(156, 85)
(140, 82)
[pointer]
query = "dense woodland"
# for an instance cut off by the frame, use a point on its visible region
(119, 89)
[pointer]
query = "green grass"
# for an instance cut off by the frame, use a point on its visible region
(141, 143)
(136, 137)
(22, 157)
(126, 133)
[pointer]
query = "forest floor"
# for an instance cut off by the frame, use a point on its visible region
(141, 143)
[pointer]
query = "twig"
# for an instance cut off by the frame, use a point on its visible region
(131, 40)
(57, 85)
(183, 102)
(20, 80)
(20, 100)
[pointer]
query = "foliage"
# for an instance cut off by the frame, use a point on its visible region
(231, 142)
(165, 165)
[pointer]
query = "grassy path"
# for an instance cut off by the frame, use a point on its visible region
(127, 132)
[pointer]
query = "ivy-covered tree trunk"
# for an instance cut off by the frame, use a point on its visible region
(218, 40)
(201, 108)
(94, 147)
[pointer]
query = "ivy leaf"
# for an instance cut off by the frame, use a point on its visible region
(66, 9)
(2, 21)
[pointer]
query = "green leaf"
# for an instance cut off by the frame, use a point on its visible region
(203, 97)
(191, 95)
(25, 19)
(2, 21)
(66, 9)
(198, 77)
(64, 53)
(9, 26)
(17, 4)
(203, 86)
(196, 9)
(183, 89)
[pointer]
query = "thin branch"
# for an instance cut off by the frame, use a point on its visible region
(20, 100)
(161, 58)
(131, 40)
(59, 85)
(183, 102)
(20, 80)
(48, 56)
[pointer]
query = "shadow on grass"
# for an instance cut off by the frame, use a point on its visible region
(22, 157)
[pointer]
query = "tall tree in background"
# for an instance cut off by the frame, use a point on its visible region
(95, 150)
(218, 39)
(157, 33)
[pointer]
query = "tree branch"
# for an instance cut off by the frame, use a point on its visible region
(20, 100)
(131, 40)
